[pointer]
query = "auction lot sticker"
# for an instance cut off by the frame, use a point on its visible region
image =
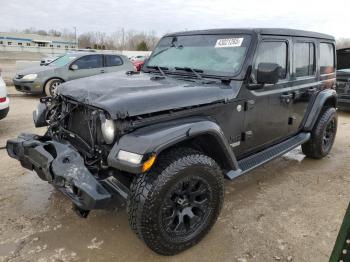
(229, 42)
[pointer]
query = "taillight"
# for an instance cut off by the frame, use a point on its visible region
(2, 99)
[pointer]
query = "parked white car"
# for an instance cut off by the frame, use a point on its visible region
(4, 100)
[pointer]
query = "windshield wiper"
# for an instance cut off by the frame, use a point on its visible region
(159, 68)
(194, 71)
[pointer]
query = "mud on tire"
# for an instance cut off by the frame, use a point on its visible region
(322, 135)
(172, 207)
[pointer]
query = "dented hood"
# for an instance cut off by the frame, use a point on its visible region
(123, 95)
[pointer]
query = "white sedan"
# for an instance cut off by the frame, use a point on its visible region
(4, 100)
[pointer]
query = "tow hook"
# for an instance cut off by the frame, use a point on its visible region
(81, 212)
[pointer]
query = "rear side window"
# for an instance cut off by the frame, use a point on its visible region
(304, 59)
(327, 63)
(89, 62)
(272, 52)
(113, 60)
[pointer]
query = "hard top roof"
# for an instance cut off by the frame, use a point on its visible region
(262, 31)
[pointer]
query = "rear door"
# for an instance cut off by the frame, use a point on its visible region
(305, 85)
(87, 66)
(114, 63)
(267, 109)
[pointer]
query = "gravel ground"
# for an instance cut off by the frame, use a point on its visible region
(287, 210)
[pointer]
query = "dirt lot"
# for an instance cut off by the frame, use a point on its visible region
(288, 210)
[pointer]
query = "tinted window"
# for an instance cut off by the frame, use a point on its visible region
(272, 52)
(90, 61)
(343, 59)
(113, 60)
(304, 59)
(326, 58)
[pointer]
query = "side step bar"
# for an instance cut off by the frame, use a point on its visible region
(249, 163)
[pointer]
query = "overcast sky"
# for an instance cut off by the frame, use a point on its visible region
(165, 16)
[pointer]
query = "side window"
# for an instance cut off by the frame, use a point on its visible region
(89, 62)
(304, 59)
(272, 52)
(113, 60)
(327, 63)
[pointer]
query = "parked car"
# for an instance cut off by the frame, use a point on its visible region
(45, 79)
(343, 78)
(138, 64)
(4, 100)
(209, 105)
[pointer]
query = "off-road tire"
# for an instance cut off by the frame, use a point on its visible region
(50, 85)
(149, 192)
(315, 147)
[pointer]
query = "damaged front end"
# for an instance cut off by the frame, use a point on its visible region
(72, 155)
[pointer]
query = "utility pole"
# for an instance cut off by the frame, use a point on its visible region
(75, 36)
(123, 35)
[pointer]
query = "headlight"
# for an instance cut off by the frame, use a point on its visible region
(107, 129)
(129, 157)
(30, 77)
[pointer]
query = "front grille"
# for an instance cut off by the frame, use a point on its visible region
(82, 123)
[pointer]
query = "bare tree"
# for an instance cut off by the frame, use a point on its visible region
(343, 43)
(118, 40)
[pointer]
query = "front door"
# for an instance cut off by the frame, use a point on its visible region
(86, 66)
(267, 108)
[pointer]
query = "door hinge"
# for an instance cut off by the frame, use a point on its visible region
(247, 135)
(249, 105)
(291, 120)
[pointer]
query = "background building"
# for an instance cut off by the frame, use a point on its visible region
(17, 42)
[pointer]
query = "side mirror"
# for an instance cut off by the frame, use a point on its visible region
(268, 73)
(74, 67)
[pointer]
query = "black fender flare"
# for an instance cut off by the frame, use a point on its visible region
(156, 138)
(319, 103)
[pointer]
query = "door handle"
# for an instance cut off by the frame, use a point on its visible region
(102, 71)
(287, 98)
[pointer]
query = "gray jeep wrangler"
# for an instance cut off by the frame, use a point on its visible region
(207, 105)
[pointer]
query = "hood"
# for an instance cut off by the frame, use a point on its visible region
(35, 70)
(123, 95)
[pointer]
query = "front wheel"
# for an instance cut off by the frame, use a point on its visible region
(322, 135)
(51, 86)
(173, 207)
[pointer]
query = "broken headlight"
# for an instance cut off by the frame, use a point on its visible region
(108, 129)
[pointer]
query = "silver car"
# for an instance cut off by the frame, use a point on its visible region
(45, 79)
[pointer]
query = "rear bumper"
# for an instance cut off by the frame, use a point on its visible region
(4, 112)
(61, 165)
(31, 87)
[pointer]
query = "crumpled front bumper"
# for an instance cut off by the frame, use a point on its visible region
(61, 165)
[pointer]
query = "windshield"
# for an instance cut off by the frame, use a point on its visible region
(63, 60)
(212, 54)
(343, 60)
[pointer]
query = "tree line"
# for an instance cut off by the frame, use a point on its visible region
(118, 40)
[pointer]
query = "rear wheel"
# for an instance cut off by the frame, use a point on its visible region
(51, 86)
(322, 135)
(173, 207)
